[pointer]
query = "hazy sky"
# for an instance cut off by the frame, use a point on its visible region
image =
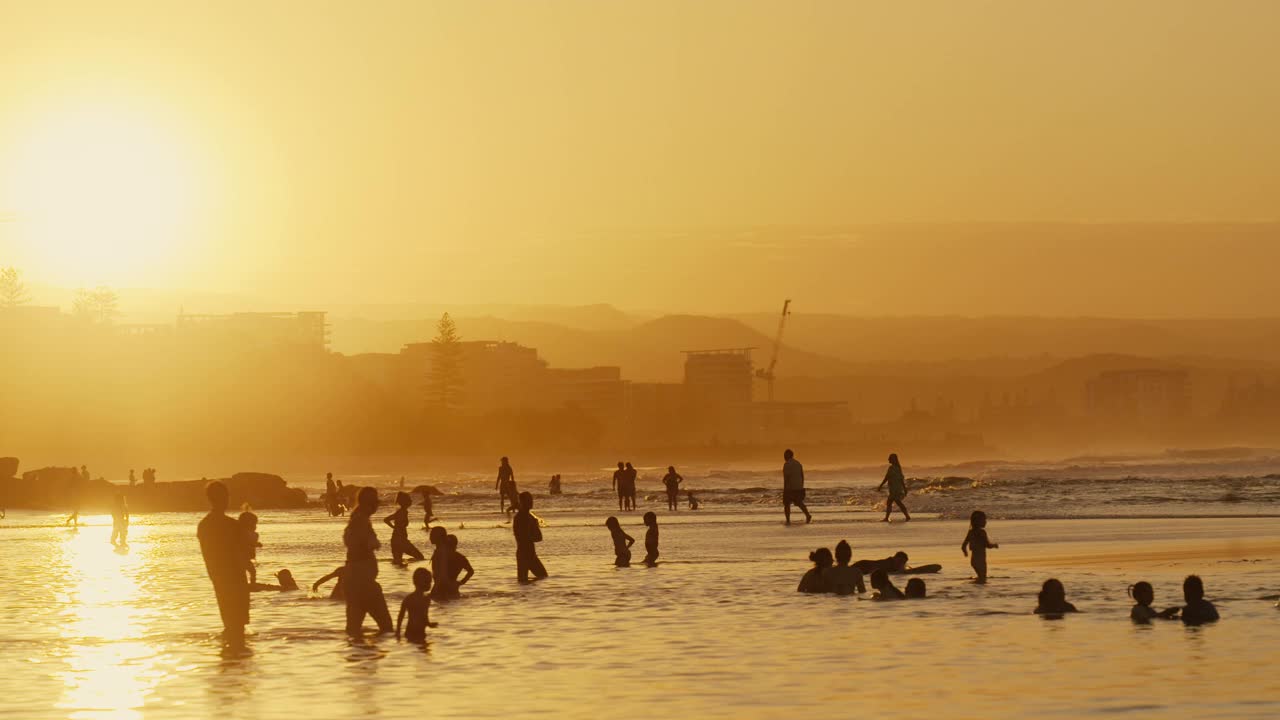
(578, 152)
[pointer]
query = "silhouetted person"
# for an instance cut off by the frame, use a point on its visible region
(133, 479)
(843, 578)
(417, 605)
(73, 489)
(120, 520)
(84, 474)
(222, 545)
(283, 577)
(895, 563)
(1197, 611)
(330, 495)
(632, 476)
(672, 480)
(885, 589)
(793, 486)
(1142, 612)
(506, 487)
(428, 509)
(1053, 599)
(693, 501)
(897, 483)
(339, 588)
(458, 564)
(622, 543)
(815, 580)
(527, 533)
(651, 539)
(364, 594)
(620, 484)
(398, 521)
(977, 542)
(553, 486)
(149, 476)
(341, 501)
(441, 560)
(915, 589)
(249, 526)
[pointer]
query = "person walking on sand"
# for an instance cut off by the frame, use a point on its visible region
(222, 545)
(897, 483)
(793, 486)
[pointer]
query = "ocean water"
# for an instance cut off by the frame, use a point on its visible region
(716, 630)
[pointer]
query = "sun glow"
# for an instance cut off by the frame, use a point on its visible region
(98, 195)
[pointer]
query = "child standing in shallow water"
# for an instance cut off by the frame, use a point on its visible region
(417, 605)
(622, 543)
(978, 542)
(651, 539)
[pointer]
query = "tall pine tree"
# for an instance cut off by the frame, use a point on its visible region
(446, 365)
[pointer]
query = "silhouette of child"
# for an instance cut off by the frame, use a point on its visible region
(459, 564)
(693, 501)
(417, 605)
(651, 539)
(978, 542)
(398, 521)
(249, 526)
(1143, 595)
(622, 543)
(120, 521)
(815, 581)
(885, 589)
(1197, 611)
(1053, 599)
(339, 592)
(427, 509)
(844, 579)
(525, 528)
(441, 564)
(285, 580)
(915, 589)
(672, 482)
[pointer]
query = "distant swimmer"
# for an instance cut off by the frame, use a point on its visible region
(506, 487)
(363, 593)
(815, 580)
(620, 484)
(651, 539)
(793, 486)
(222, 545)
(1197, 611)
(843, 578)
(417, 605)
(885, 589)
(458, 564)
(339, 588)
(1142, 612)
(285, 580)
(120, 521)
(1053, 600)
(897, 483)
(672, 481)
(622, 543)
(977, 543)
(527, 532)
(398, 521)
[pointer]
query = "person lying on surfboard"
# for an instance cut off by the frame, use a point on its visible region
(895, 565)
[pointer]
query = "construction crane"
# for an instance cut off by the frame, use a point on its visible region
(767, 375)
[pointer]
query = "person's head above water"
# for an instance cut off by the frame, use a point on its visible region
(438, 535)
(526, 500)
(1193, 588)
(285, 578)
(1052, 593)
(821, 558)
(915, 589)
(978, 519)
(403, 499)
(612, 523)
(879, 578)
(451, 542)
(367, 500)
(893, 458)
(899, 561)
(844, 552)
(218, 497)
(1142, 592)
(422, 579)
(787, 454)
(650, 518)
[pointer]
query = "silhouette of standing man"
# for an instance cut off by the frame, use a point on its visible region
(793, 486)
(620, 484)
(222, 545)
(506, 487)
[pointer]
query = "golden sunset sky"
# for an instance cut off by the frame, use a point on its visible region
(647, 154)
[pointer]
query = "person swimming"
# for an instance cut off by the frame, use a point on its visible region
(814, 581)
(285, 581)
(978, 542)
(651, 539)
(417, 605)
(885, 589)
(622, 543)
(896, 563)
(339, 591)
(844, 579)
(398, 521)
(1197, 611)
(1053, 599)
(915, 589)
(1142, 612)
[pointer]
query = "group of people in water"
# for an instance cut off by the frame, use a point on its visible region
(839, 575)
